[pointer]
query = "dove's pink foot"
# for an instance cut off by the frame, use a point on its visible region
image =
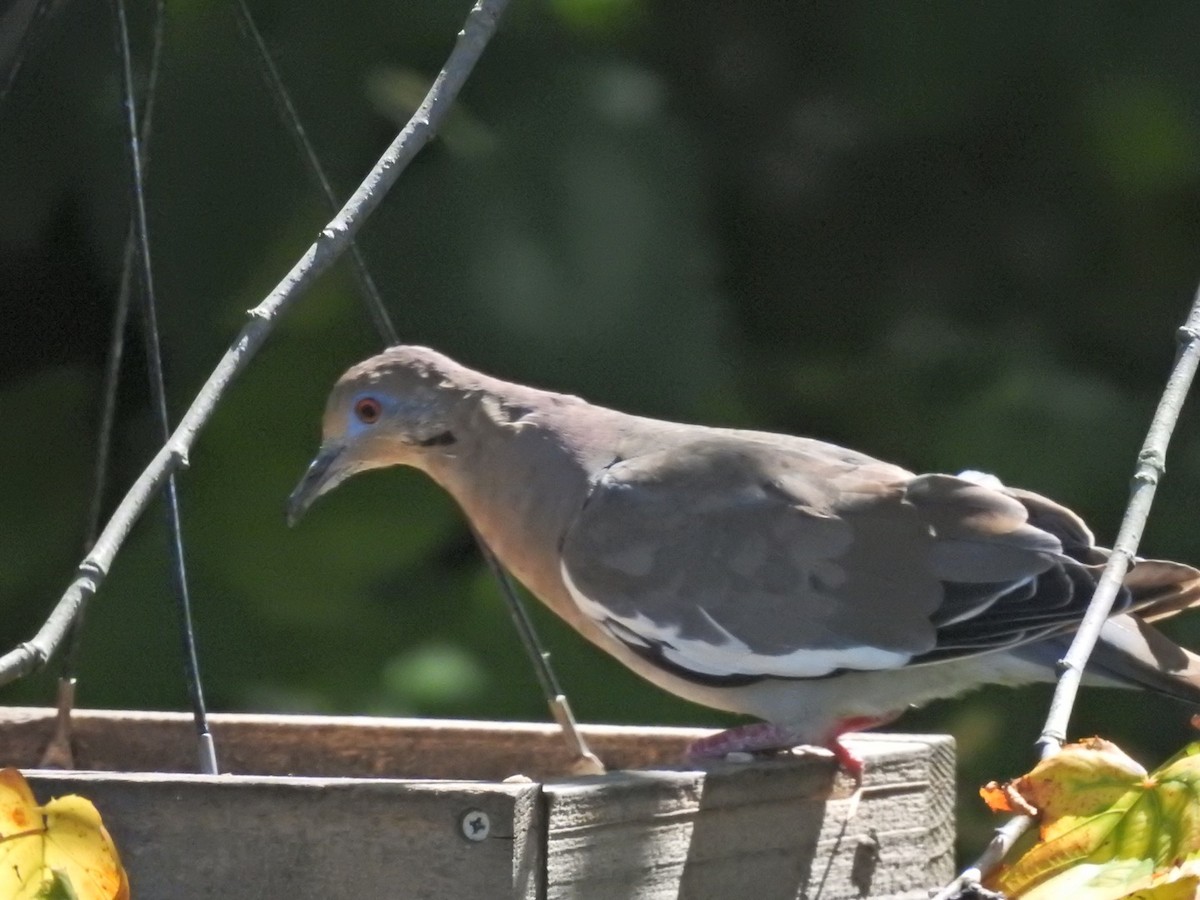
(761, 737)
(847, 758)
(757, 737)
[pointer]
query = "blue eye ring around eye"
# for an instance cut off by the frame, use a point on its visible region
(368, 410)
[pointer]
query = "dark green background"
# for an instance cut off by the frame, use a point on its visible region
(949, 234)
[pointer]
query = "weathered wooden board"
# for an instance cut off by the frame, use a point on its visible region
(768, 830)
(341, 807)
(230, 836)
(324, 746)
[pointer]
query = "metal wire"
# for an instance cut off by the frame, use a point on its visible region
(39, 14)
(287, 112)
(207, 754)
(58, 751)
(538, 656)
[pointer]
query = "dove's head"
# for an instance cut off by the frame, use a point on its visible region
(392, 409)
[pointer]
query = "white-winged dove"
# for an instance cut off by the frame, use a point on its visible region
(804, 584)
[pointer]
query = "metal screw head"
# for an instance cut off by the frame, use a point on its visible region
(475, 825)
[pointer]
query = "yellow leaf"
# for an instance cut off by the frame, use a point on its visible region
(1103, 821)
(21, 872)
(1096, 881)
(1080, 780)
(61, 849)
(78, 844)
(1184, 889)
(1181, 882)
(1005, 798)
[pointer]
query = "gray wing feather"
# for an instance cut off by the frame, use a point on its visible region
(779, 549)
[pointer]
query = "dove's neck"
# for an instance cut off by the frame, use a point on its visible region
(520, 469)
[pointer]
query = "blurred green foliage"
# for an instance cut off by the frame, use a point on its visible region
(949, 234)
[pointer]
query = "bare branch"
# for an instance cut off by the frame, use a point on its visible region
(1151, 464)
(967, 885)
(478, 29)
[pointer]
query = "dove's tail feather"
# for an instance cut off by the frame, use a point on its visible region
(1136, 654)
(1133, 651)
(1161, 589)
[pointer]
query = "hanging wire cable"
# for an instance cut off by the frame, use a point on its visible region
(59, 752)
(477, 31)
(20, 26)
(291, 119)
(206, 750)
(91, 573)
(556, 699)
(586, 762)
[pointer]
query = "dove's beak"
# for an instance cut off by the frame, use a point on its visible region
(324, 474)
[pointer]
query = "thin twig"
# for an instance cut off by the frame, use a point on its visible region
(1150, 467)
(1151, 463)
(968, 883)
(322, 253)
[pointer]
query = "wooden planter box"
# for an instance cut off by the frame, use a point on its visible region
(329, 807)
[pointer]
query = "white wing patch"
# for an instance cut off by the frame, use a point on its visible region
(732, 656)
(983, 479)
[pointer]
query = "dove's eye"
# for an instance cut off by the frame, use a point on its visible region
(368, 410)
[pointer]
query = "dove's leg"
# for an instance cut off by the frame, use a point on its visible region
(760, 737)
